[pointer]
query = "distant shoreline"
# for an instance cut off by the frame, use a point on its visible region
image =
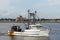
(27, 22)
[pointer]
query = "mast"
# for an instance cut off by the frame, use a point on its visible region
(30, 16)
(34, 15)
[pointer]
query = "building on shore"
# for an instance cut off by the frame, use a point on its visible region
(20, 19)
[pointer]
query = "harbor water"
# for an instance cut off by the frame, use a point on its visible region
(53, 35)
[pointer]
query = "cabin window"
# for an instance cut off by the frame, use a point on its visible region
(38, 26)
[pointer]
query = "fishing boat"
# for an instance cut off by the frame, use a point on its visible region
(34, 29)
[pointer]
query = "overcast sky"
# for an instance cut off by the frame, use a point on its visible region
(44, 8)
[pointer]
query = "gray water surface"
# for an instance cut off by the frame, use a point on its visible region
(54, 33)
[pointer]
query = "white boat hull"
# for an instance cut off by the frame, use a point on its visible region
(30, 33)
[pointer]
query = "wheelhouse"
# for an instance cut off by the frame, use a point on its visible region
(16, 28)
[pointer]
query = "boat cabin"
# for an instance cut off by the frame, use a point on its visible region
(16, 28)
(35, 26)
